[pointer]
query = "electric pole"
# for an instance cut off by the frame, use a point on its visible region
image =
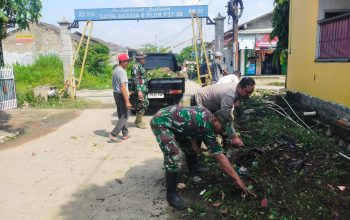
(235, 10)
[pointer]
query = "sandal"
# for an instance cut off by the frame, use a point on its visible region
(126, 137)
(113, 139)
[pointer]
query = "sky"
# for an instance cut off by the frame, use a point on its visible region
(161, 32)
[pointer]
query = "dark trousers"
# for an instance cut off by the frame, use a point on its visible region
(123, 115)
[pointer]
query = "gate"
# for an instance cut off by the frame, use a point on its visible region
(8, 98)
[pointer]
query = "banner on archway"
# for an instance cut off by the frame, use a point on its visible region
(141, 13)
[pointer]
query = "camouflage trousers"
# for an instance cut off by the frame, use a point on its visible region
(171, 143)
(142, 105)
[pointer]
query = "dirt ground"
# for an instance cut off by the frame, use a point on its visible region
(62, 166)
(33, 123)
(73, 173)
(270, 82)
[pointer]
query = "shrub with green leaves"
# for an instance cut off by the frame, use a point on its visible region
(46, 70)
(97, 60)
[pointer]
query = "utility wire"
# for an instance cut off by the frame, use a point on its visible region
(175, 34)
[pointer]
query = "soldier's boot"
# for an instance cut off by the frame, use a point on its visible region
(139, 122)
(195, 165)
(137, 119)
(172, 196)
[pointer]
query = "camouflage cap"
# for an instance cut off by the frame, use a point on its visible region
(140, 55)
(225, 119)
(223, 116)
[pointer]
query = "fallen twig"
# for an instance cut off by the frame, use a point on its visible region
(296, 114)
(341, 154)
(285, 116)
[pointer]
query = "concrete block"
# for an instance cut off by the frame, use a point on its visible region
(327, 111)
(44, 91)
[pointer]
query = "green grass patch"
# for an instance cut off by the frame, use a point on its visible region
(48, 70)
(91, 81)
(296, 170)
(66, 104)
(276, 84)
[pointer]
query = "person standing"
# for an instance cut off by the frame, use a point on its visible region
(140, 84)
(174, 122)
(216, 67)
(121, 98)
(203, 70)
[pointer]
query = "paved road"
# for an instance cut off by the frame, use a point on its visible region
(72, 173)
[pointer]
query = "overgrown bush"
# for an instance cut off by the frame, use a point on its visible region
(97, 60)
(91, 81)
(46, 70)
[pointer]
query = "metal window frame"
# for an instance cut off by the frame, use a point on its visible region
(318, 46)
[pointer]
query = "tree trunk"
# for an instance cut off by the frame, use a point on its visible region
(1, 55)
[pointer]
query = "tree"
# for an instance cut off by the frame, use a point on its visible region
(280, 24)
(151, 48)
(97, 60)
(187, 54)
(17, 13)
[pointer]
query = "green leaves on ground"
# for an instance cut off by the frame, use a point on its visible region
(295, 170)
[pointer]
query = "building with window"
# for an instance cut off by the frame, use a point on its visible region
(255, 48)
(319, 55)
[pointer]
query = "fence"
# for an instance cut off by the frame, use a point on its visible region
(8, 98)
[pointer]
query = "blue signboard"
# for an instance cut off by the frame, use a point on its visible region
(143, 13)
(251, 69)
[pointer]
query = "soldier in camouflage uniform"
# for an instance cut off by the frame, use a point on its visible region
(176, 122)
(140, 83)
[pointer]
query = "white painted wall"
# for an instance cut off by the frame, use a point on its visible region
(246, 41)
(24, 58)
(331, 5)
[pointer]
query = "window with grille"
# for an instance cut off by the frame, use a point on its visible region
(334, 39)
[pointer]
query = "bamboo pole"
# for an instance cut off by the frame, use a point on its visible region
(195, 46)
(85, 53)
(203, 46)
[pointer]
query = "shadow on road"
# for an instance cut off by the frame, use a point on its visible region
(102, 133)
(140, 194)
(4, 119)
(8, 132)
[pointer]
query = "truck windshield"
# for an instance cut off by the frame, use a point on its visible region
(154, 62)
